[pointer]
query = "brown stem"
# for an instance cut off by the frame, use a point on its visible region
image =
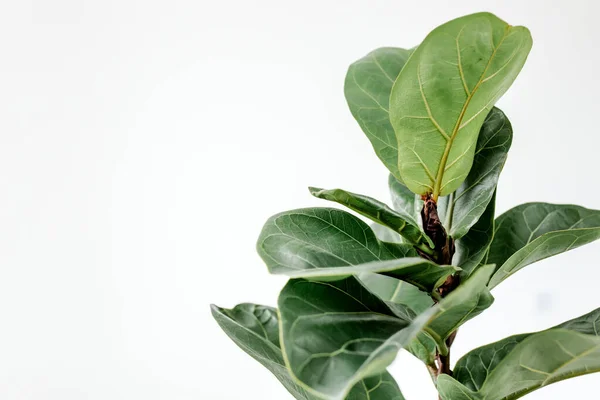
(444, 250)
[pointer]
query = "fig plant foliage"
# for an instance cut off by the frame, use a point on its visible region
(357, 293)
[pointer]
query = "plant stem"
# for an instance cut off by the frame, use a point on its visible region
(443, 252)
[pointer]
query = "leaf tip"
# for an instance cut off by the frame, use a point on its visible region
(315, 191)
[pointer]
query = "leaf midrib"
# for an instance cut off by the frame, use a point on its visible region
(550, 374)
(442, 167)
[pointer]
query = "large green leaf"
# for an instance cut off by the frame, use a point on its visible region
(470, 299)
(394, 290)
(397, 291)
(472, 248)
(367, 88)
(517, 365)
(470, 200)
(255, 329)
(377, 212)
(445, 91)
(335, 334)
(322, 237)
(330, 244)
(534, 231)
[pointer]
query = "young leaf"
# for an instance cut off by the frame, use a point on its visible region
(534, 231)
(470, 200)
(472, 248)
(367, 89)
(445, 91)
(335, 334)
(310, 238)
(519, 364)
(255, 329)
(377, 212)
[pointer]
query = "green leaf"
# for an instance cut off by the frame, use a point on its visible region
(311, 238)
(450, 389)
(467, 301)
(424, 274)
(470, 200)
(378, 387)
(445, 91)
(330, 244)
(377, 212)
(404, 201)
(385, 234)
(397, 291)
(519, 364)
(472, 248)
(335, 334)
(367, 89)
(534, 231)
(255, 329)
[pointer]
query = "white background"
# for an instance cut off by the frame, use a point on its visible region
(144, 143)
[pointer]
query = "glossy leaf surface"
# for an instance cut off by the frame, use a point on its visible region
(397, 291)
(517, 365)
(367, 89)
(445, 91)
(470, 299)
(335, 334)
(472, 248)
(330, 244)
(472, 197)
(312, 238)
(419, 272)
(534, 231)
(255, 329)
